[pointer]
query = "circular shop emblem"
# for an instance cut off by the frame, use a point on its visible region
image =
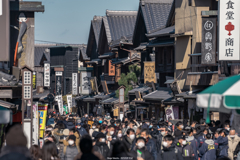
(208, 57)
(208, 25)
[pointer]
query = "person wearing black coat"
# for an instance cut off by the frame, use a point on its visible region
(237, 150)
(129, 138)
(185, 148)
(169, 151)
(101, 146)
(178, 131)
(140, 150)
(150, 143)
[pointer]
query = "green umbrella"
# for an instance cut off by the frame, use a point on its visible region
(221, 97)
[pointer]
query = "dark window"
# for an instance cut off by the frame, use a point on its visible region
(169, 54)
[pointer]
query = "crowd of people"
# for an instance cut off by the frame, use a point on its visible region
(70, 137)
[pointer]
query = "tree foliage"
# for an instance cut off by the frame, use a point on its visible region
(128, 80)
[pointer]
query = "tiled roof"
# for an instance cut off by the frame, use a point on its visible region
(96, 23)
(41, 49)
(121, 24)
(143, 89)
(83, 50)
(155, 13)
(94, 33)
(159, 95)
(106, 26)
(162, 32)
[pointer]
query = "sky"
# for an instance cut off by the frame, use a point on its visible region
(68, 21)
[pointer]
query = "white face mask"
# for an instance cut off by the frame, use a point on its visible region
(148, 124)
(140, 145)
(231, 136)
(79, 127)
(184, 142)
(70, 142)
(165, 144)
(132, 136)
(103, 140)
(108, 116)
(163, 133)
(181, 127)
(93, 127)
(120, 135)
(111, 132)
(86, 116)
(228, 129)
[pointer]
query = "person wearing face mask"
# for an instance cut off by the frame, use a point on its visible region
(202, 138)
(192, 141)
(140, 150)
(222, 141)
(169, 151)
(185, 148)
(208, 149)
(110, 135)
(150, 143)
(129, 138)
(178, 131)
(71, 150)
(81, 131)
(94, 128)
(101, 145)
(119, 134)
(233, 141)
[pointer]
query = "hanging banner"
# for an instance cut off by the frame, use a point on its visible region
(46, 74)
(85, 85)
(69, 101)
(35, 124)
(111, 71)
(169, 113)
(34, 80)
(65, 109)
(42, 110)
(58, 84)
(149, 72)
(209, 30)
(229, 30)
(74, 83)
(60, 104)
(93, 83)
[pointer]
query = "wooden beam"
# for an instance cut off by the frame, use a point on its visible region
(27, 6)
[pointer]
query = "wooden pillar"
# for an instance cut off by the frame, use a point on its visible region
(136, 111)
(150, 112)
(88, 108)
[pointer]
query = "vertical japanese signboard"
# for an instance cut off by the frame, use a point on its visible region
(35, 124)
(46, 74)
(74, 83)
(229, 30)
(209, 40)
(111, 69)
(60, 104)
(5, 30)
(42, 109)
(149, 72)
(85, 85)
(34, 80)
(58, 83)
(69, 101)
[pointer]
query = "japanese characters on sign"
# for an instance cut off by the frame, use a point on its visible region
(209, 40)
(229, 30)
(74, 83)
(111, 69)
(46, 74)
(85, 84)
(149, 72)
(60, 104)
(34, 80)
(69, 101)
(58, 84)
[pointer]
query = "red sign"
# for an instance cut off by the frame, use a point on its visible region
(229, 27)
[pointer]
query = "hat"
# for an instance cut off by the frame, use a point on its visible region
(100, 135)
(66, 132)
(94, 134)
(78, 124)
(16, 137)
(72, 137)
(181, 137)
(141, 138)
